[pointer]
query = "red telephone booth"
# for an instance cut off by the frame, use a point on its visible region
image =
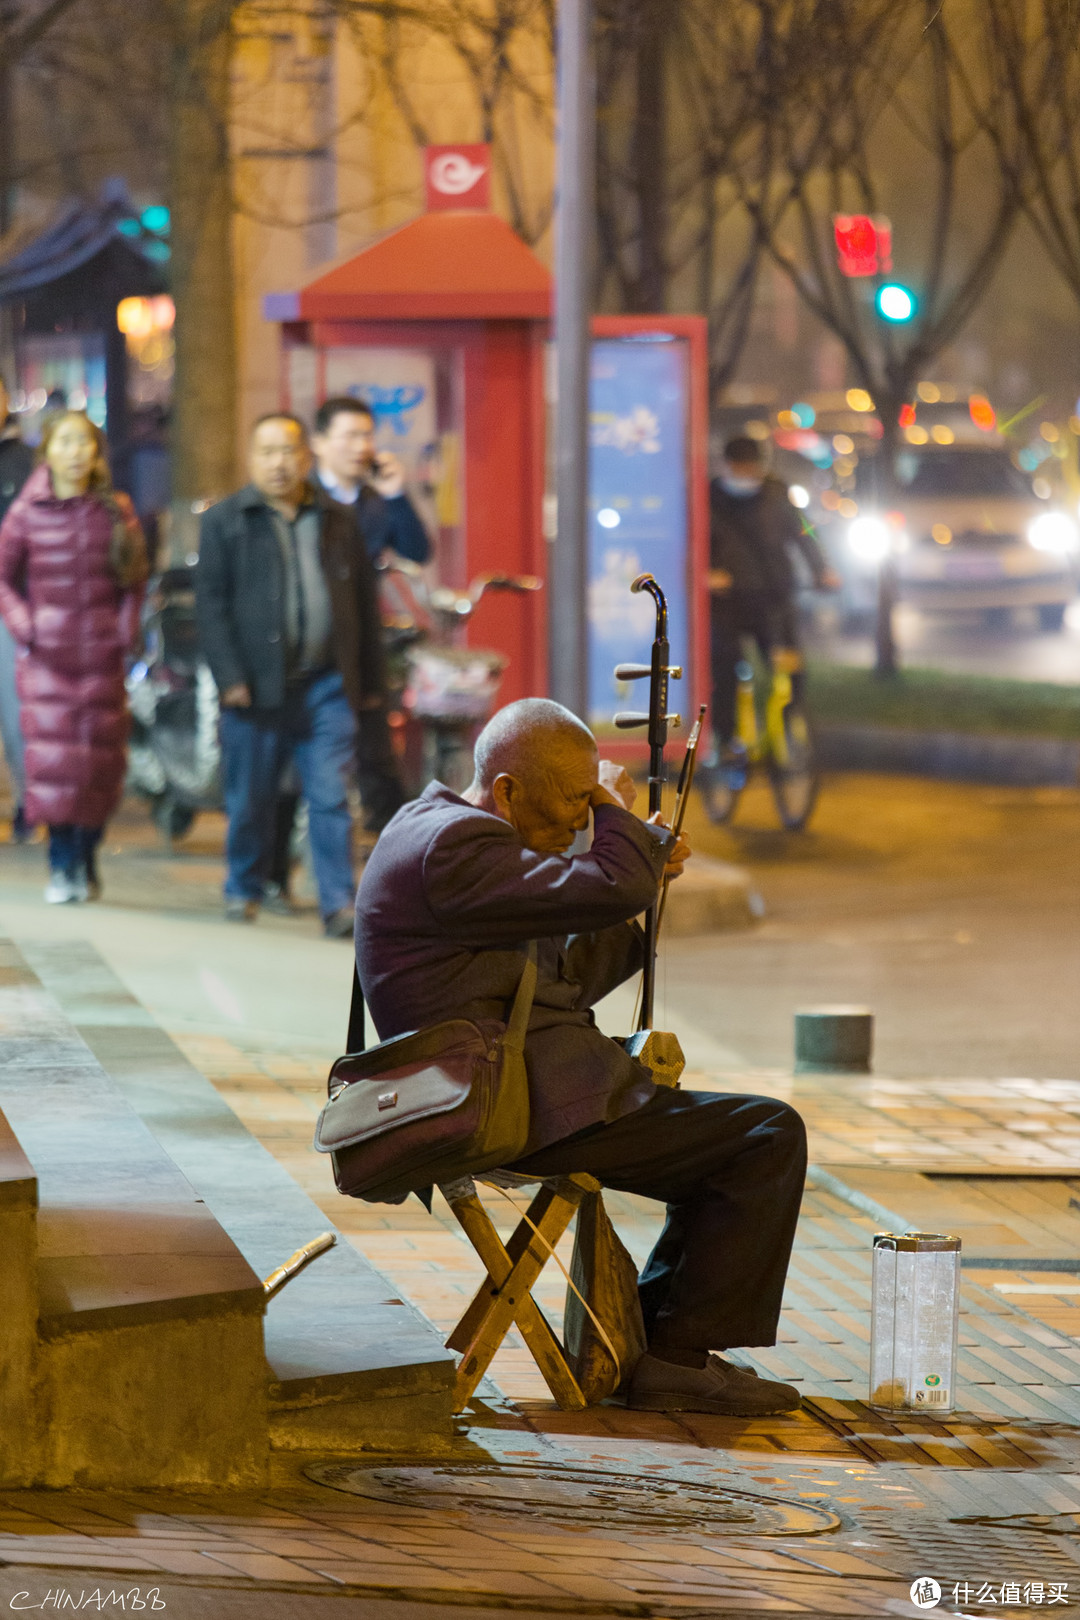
(440, 327)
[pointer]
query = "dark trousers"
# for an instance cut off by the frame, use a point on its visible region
(380, 790)
(377, 772)
(768, 620)
(730, 1170)
(317, 730)
(73, 850)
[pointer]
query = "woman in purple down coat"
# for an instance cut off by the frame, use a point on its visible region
(72, 569)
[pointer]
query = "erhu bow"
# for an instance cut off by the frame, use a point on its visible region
(656, 1049)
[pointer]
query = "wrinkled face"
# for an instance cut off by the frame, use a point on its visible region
(279, 459)
(347, 447)
(72, 453)
(550, 806)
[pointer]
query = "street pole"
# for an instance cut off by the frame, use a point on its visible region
(568, 572)
(884, 630)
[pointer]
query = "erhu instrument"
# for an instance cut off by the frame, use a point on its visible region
(658, 1050)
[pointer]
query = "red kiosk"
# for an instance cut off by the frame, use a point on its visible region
(442, 327)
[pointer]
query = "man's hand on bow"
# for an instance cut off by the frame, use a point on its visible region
(681, 851)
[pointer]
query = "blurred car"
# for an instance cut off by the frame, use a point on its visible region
(968, 533)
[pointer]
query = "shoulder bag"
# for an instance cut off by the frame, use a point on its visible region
(448, 1101)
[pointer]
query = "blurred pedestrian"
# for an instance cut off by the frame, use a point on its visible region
(289, 623)
(372, 481)
(72, 570)
(16, 461)
(754, 530)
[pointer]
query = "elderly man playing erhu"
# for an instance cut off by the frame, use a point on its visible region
(455, 890)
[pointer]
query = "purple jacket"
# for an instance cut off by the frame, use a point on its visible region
(449, 900)
(74, 624)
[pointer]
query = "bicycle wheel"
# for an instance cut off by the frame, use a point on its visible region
(794, 780)
(721, 788)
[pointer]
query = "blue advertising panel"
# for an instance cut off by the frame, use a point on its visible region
(638, 472)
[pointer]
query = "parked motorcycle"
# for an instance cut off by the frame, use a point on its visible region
(174, 757)
(441, 690)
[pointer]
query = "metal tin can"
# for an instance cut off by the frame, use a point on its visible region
(915, 1322)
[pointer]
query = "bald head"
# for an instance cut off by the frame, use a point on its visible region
(535, 765)
(525, 736)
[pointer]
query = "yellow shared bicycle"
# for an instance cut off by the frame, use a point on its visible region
(771, 730)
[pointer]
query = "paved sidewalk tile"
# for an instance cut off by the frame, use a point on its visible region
(908, 1494)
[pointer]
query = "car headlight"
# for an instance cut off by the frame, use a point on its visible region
(869, 538)
(1053, 532)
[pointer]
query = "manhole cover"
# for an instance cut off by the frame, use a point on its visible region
(583, 1495)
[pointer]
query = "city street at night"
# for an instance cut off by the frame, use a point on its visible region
(539, 809)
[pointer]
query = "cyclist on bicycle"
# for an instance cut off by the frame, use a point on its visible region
(754, 529)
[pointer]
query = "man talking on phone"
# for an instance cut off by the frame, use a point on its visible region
(372, 483)
(353, 472)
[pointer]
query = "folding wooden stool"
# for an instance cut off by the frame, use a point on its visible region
(504, 1297)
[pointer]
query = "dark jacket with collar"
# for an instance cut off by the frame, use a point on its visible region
(391, 525)
(447, 905)
(388, 523)
(16, 465)
(240, 599)
(752, 538)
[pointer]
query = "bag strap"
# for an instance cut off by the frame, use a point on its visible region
(518, 1021)
(356, 1039)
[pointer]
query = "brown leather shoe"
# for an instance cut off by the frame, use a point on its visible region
(719, 1386)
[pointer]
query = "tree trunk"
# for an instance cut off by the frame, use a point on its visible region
(203, 438)
(7, 136)
(886, 662)
(650, 156)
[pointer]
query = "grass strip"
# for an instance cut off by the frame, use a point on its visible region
(934, 700)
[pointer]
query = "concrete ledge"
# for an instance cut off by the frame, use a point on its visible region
(711, 897)
(352, 1366)
(951, 756)
(19, 1312)
(137, 1359)
(18, 1183)
(147, 1406)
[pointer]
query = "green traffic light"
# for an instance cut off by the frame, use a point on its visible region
(894, 302)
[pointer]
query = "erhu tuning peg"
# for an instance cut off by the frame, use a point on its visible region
(632, 672)
(629, 718)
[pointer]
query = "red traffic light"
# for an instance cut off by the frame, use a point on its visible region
(863, 244)
(982, 413)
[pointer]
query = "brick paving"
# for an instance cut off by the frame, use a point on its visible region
(990, 1494)
(278, 1097)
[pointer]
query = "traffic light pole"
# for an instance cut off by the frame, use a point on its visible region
(568, 571)
(885, 635)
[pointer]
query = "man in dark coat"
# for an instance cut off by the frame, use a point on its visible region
(371, 481)
(454, 891)
(289, 624)
(754, 531)
(16, 463)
